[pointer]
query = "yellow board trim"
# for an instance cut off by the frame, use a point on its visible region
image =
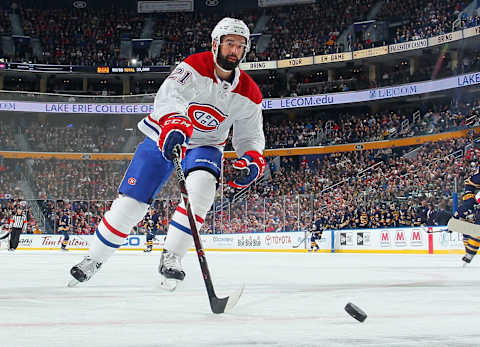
(381, 251)
(191, 249)
(369, 251)
(449, 251)
(260, 250)
(50, 249)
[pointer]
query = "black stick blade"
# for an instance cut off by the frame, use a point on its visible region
(221, 305)
(218, 304)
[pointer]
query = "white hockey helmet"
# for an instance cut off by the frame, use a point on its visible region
(230, 26)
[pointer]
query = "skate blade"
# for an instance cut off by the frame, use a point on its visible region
(72, 283)
(464, 265)
(169, 284)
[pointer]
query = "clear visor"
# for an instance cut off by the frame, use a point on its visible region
(234, 44)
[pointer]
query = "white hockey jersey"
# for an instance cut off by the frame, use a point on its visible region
(212, 105)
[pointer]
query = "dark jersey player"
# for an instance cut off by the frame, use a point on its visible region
(316, 235)
(64, 227)
(150, 223)
(466, 211)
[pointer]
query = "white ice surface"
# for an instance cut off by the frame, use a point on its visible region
(289, 300)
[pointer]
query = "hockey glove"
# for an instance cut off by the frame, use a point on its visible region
(250, 167)
(176, 130)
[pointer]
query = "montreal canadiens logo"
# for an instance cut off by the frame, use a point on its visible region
(205, 117)
(132, 181)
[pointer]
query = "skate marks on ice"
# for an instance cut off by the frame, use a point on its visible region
(289, 300)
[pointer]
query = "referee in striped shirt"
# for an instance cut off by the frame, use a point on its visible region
(17, 223)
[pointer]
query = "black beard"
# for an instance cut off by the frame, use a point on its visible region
(225, 63)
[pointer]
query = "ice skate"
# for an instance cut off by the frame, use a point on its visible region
(148, 249)
(467, 258)
(170, 269)
(84, 271)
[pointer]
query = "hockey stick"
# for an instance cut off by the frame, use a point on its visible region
(463, 227)
(443, 230)
(218, 305)
(303, 240)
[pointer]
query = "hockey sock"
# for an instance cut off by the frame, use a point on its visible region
(472, 246)
(124, 213)
(179, 237)
(465, 240)
(201, 187)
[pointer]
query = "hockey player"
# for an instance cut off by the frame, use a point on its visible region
(196, 106)
(151, 228)
(64, 227)
(316, 234)
(466, 211)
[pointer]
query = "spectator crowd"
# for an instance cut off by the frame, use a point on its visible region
(76, 136)
(86, 134)
(426, 18)
(80, 36)
(361, 189)
(93, 36)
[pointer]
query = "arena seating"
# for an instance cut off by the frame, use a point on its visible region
(92, 37)
(297, 189)
(74, 134)
(396, 182)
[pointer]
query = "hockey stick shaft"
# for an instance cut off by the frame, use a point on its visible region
(218, 305)
(437, 231)
(303, 240)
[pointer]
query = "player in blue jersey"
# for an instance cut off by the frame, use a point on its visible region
(150, 224)
(316, 234)
(64, 226)
(467, 211)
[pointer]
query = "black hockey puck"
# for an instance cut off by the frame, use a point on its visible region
(356, 312)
